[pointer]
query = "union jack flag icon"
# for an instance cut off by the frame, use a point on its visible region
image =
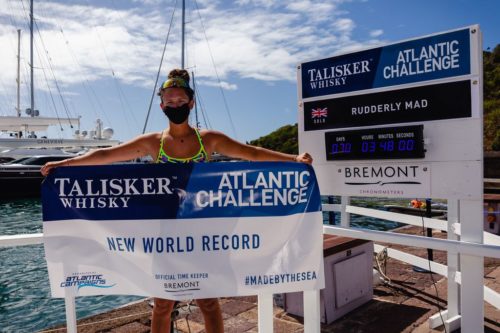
(319, 113)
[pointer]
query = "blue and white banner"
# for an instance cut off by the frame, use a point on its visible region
(435, 57)
(183, 231)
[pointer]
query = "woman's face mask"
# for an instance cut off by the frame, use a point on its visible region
(177, 115)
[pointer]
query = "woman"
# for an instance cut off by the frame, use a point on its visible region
(179, 143)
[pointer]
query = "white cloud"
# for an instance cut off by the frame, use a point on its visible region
(376, 33)
(260, 39)
(223, 84)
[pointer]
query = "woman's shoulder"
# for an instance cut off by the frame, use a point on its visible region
(210, 134)
(147, 139)
(211, 138)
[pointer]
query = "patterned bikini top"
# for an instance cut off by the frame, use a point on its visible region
(200, 157)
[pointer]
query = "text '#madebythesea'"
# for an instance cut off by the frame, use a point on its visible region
(258, 280)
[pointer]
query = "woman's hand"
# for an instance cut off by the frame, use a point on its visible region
(304, 158)
(45, 170)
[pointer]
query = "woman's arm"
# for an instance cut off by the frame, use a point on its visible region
(221, 143)
(138, 147)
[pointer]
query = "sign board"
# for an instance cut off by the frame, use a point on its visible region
(435, 57)
(183, 231)
(354, 110)
(418, 104)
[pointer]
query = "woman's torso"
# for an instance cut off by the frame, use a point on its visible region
(199, 157)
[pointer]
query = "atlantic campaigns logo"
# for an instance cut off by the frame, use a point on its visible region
(87, 279)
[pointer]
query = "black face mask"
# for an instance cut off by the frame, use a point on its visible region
(177, 115)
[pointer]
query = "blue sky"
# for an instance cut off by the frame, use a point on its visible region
(105, 54)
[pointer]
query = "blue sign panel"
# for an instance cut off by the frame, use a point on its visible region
(430, 58)
(175, 191)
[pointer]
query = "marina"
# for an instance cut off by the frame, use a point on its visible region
(387, 123)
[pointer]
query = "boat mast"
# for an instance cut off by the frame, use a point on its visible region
(31, 61)
(183, 31)
(18, 108)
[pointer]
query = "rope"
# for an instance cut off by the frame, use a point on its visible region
(187, 309)
(216, 73)
(159, 69)
(381, 258)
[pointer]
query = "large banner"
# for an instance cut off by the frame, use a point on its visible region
(183, 231)
(436, 57)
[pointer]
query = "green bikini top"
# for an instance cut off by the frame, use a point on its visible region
(200, 157)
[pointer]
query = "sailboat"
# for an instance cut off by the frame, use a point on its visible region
(29, 150)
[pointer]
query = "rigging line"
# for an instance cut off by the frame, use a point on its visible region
(124, 24)
(7, 95)
(25, 69)
(7, 99)
(115, 80)
(49, 62)
(195, 104)
(216, 72)
(87, 86)
(86, 83)
(203, 111)
(42, 68)
(52, 98)
(50, 94)
(25, 63)
(159, 69)
(13, 22)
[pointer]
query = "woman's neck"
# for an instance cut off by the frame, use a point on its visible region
(180, 130)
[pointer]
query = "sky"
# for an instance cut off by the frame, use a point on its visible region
(100, 59)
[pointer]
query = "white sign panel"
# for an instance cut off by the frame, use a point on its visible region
(415, 103)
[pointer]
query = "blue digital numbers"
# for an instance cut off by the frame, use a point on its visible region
(387, 145)
(406, 145)
(403, 142)
(368, 146)
(341, 148)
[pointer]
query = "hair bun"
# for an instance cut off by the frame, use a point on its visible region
(182, 73)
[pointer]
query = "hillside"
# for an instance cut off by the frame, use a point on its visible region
(491, 63)
(285, 139)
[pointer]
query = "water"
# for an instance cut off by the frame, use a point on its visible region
(358, 221)
(25, 302)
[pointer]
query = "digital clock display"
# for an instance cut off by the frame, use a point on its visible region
(376, 143)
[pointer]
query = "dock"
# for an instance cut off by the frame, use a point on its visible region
(403, 303)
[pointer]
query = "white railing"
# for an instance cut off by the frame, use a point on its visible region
(454, 316)
(467, 253)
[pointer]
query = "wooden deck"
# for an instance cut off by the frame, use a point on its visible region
(402, 305)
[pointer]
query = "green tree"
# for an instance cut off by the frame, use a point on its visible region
(491, 94)
(284, 139)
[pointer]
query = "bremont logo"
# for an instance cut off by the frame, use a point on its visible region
(386, 174)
